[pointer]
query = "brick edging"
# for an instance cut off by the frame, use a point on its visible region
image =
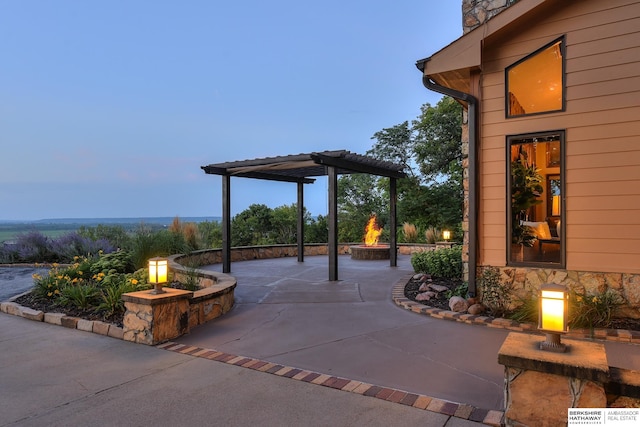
(419, 401)
(397, 295)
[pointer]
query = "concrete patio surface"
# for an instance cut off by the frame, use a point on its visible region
(289, 316)
(289, 313)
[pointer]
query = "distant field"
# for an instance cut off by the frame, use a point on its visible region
(56, 227)
(11, 231)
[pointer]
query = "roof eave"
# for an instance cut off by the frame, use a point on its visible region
(453, 64)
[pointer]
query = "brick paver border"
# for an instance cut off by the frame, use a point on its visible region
(431, 404)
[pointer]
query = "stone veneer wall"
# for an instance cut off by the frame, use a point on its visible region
(474, 14)
(477, 12)
(527, 280)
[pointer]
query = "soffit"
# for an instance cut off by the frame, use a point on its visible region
(465, 53)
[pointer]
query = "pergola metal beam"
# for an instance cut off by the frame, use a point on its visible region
(355, 166)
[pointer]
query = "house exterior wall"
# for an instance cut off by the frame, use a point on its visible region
(601, 120)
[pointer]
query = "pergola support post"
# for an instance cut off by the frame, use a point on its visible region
(332, 175)
(226, 224)
(393, 241)
(300, 222)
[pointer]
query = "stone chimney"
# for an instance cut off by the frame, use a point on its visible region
(477, 12)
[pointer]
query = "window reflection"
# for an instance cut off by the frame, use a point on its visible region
(536, 199)
(535, 83)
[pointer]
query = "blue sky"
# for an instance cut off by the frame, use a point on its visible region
(109, 108)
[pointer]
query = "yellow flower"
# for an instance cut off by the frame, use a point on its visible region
(49, 294)
(75, 258)
(98, 278)
(36, 276)
(56, 292)
(55, 265)
(134, 282)
(80, 272)
(594, 299)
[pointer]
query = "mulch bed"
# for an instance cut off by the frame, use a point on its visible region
(34, 302)
(42, 304)
(441, 302)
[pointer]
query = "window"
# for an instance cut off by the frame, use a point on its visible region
(535, 84)
(536, 187)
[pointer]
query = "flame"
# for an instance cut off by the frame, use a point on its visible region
(372, 232)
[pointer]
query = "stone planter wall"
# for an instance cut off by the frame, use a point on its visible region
(527, 280)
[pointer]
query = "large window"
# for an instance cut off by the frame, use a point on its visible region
(536, 186)
(535, 84)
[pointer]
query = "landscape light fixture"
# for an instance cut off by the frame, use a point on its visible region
(553, 316)
(158, 269)
(446, 235)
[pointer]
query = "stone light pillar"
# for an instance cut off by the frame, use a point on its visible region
(540, 385)
(151, 319)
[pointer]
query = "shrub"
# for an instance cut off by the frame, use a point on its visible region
(73, 244)
(445, 262)
(35, 247)
(496, 295)
(593, 310)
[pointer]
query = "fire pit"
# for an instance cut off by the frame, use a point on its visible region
(363, 252)
(371, 250)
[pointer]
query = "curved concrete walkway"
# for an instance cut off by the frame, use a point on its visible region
(289, 314)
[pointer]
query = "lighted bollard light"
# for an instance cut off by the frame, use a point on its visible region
(158, 268)
(553, 316)
(446, 235)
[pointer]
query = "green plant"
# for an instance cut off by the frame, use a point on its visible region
(119, 262)
(526, 188)
(111, 296)
(459, 291)
(593, 310)
(527, 309)
(82, 296)
(444, 262)
(496, 294)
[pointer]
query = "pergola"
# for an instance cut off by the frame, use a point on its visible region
(298, 168)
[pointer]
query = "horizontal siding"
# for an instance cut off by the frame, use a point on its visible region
(602, 123)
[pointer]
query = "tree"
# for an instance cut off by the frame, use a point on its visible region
(359, 196)
(438, 146)
(284, 221)
(317, 230)
(430, 151)
(251, 226)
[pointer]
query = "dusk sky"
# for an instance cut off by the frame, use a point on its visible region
(109, 108)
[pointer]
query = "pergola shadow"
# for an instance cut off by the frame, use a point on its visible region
(298, 169)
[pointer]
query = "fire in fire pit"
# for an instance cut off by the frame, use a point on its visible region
(371, 249)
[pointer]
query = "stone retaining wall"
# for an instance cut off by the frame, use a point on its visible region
(187, 264)
(527, 280)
